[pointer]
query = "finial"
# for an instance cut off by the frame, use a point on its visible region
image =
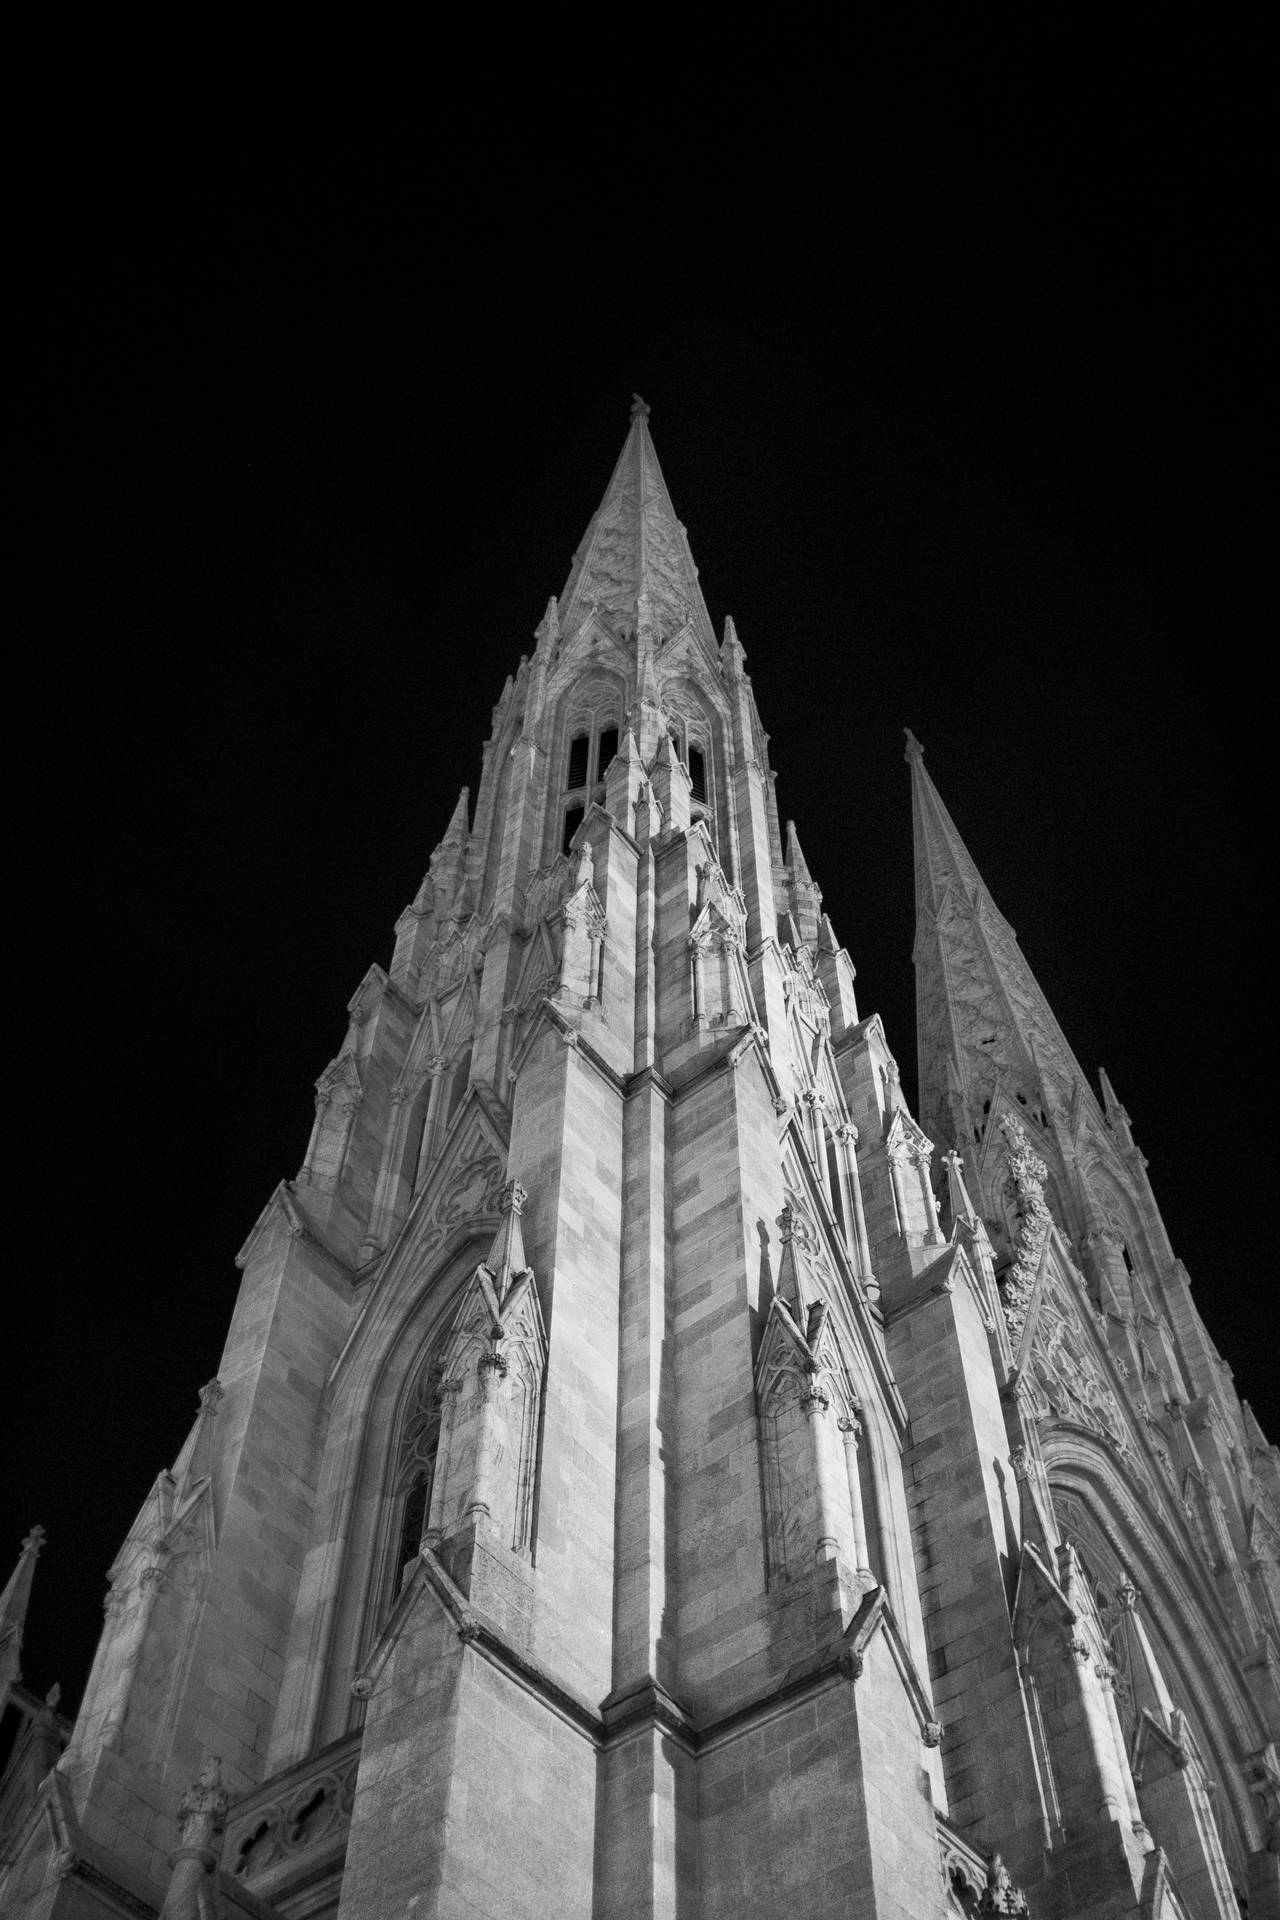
(731, 648)
(914, 752)
(506, 1261)
(34, 1540)
(548, 628)
(513, 1198)
(639, 408)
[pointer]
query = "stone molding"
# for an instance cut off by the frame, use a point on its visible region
(298, 1820)
(647, 1704)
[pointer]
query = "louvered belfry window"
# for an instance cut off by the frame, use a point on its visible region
(608, 747)
(698, 774)
(579, 757)
(572, 821)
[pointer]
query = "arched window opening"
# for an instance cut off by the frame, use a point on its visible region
(579, 760)
(573, 818)
(606, 750)
(698, 774)
(593, 729)
(413, 1524)
(415, 1470)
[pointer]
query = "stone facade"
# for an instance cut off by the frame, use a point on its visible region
(651, 1472)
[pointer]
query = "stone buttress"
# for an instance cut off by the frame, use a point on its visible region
(644, 1477)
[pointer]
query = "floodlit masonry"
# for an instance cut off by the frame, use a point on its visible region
(651, 1472)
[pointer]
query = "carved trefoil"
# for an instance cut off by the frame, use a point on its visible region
(294, 1827)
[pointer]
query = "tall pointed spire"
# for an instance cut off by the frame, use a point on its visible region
(942, 859)
(634, 566)
(14, 1601)
(804, 896)
(982, 1020)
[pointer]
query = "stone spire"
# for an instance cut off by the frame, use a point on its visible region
(982, 1021)
(506, 1262)
(448, 860)
(14, 1601)
(634, 567)
(804, 896)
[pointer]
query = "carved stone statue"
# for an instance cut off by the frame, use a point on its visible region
(202, 1815)
(1000, 1895)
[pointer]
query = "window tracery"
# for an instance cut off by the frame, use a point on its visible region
(416, 1459)
(591, 742)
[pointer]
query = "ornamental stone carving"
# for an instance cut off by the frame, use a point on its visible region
(308, 1810)
(1027, 1176)
(1000, 1895)
(202, 1816)
(1063, 1378)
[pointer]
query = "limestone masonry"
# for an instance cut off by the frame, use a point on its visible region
(651, 1471)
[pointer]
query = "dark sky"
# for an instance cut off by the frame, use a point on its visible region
(965, 440)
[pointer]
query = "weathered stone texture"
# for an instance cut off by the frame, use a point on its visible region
(632, 1461)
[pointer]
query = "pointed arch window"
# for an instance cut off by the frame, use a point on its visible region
(573, 819)
(415, 1468)
(579, 761)
(592, 744)
(605, 751)
(691, 745)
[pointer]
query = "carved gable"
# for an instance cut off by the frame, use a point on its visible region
(1065, 1371)
(802, 1391)
(722, 994)
(491, 1385)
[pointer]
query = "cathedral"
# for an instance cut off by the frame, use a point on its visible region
(652, 1470)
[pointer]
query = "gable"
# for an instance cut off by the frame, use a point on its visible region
(1066, 1376)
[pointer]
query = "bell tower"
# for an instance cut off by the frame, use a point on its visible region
(635, 1481)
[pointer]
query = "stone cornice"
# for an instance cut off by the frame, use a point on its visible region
(646, 1703)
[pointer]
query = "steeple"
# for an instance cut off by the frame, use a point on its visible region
(982, 1021)
(14, 1601)
(634, 566)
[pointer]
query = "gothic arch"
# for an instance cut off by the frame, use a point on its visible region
(587, 708)
(1087, 1482)
(703, 725)
(374, 1408)
(451, 1229)
(1124, 1216)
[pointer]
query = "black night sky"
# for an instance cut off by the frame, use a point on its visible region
(964, 439)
